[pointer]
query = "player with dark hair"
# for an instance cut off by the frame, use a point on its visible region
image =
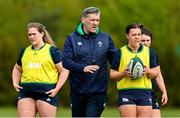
(146, 39)
(135, 95)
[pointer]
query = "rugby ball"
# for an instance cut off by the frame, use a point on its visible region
(136, 68)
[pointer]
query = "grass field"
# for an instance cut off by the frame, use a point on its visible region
(108, 112)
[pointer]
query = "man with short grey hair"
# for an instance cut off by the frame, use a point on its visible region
(86, 54)
(90, 10)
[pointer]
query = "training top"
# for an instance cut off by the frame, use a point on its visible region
(148, 58)
(81, 50)
(38, 66)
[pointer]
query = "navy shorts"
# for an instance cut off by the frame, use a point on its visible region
(37, 92)
(135, 97)
(87, 105)
(155, 104)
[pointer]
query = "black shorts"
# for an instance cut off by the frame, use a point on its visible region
(135, 97)
(37, 92)
(155, 104)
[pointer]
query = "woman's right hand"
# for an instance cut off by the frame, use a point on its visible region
(127, 73)
(16, 76)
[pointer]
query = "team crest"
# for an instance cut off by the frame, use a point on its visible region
(100, 44)
(79, 43)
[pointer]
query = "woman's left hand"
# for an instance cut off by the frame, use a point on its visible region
(52, 92)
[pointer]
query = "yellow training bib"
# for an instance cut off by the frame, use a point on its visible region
(38, 66)
(126, 56)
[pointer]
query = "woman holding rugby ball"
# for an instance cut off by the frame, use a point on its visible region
(135, 95)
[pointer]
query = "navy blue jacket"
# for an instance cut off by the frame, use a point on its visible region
(81, 50)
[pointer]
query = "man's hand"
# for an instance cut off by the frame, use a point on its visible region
(91, 68)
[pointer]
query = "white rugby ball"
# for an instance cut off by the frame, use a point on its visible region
(136, 67)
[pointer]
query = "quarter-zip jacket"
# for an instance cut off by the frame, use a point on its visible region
(81, 50)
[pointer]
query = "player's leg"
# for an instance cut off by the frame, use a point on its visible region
(156, 113)
(144, 111)
(46, 106)
(45, 109)
(144, 103)
(156, 108)
(127, 104)
(127, 110)
(26, 107)
(155, 105)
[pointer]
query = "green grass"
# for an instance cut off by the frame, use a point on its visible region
(108, 112)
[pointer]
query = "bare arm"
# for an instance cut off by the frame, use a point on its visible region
(117, 75)
(62, 79)
(151, 72)
(162, 87)
(16, 76)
